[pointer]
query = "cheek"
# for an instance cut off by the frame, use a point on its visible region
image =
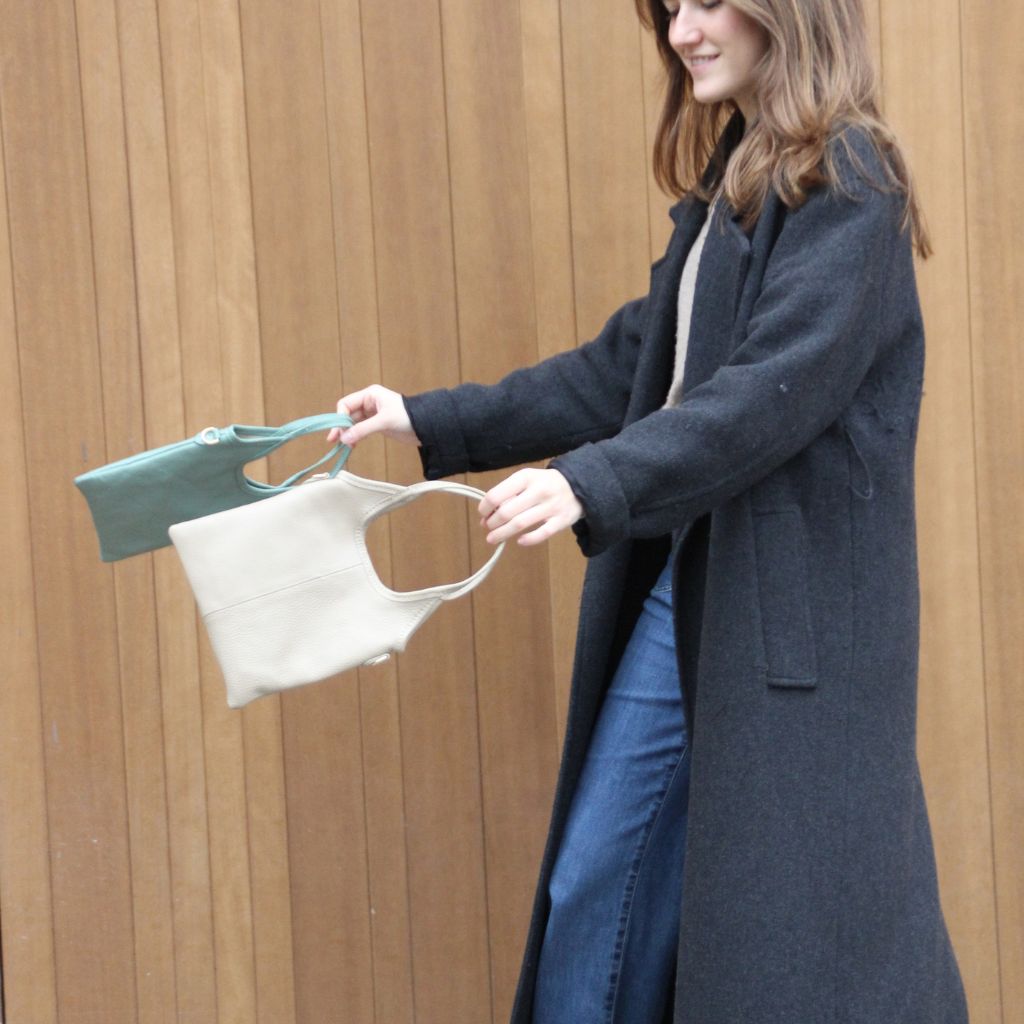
(732, 21)
(747, 34)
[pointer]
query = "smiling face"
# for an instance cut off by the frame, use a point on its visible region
(720, 47)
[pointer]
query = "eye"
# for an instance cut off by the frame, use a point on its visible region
(707, 5)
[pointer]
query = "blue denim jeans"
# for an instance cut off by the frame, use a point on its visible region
(609, 950)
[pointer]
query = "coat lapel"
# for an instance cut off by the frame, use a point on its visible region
(654, 370)
(723, 267)
(724, 262)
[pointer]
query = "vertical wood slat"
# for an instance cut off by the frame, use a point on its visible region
(607, 157)
(102, 109)
(554, 304)
(490, 187)
(195, 263)
(419, 349)
(236, 846)
(359, 350)
(993, 137)
(163, 401)
(242, 394)
(46, 177)
(299, 323)
(26, 896)
(951, 713)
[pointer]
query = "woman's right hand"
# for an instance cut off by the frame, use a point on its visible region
(374, 409)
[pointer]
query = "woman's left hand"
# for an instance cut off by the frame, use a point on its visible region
(525, 499)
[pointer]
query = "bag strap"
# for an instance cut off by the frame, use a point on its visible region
(341, 450)
(311, 424)
(272, 438)
(446, 591)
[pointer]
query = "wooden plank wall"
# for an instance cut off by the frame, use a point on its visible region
(237, 210)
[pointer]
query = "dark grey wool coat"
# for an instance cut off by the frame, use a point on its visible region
(785, 479)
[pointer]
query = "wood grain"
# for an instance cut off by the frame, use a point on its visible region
(145, 778)
(359, 350)
(993, 132)
(26, 895)
(419, 344)
(554, 302)
(164, 403)
(491, 211)
(54, 296)
(238, 212)
(195, 272)
(607, 148)
(299, 317)
(241, 390)
(951, 708)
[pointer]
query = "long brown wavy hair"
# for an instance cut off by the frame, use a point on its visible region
(816, 79)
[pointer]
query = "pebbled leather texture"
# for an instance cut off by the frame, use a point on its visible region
(135, 501)
(287, 590)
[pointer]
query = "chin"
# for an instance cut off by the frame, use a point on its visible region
(709, 96)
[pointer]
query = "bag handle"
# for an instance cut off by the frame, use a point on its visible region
(272, 438)
(341, 450)
(446, 591)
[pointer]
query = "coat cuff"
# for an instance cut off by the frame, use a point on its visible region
(605, 509)
(436, 424)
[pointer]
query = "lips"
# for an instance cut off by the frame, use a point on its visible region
(701, 61)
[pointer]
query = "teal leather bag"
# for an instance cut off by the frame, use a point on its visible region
(135, 500)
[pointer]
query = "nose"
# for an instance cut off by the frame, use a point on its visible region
(682, 33)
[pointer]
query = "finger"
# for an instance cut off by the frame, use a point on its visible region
(353, 435)
(492, 499)
(531, 496)
(498, 494)
(524, 520)
(335, 432)
(538, 536)
(359, 404)
(556, 514)
(544, 532)
(509, 509)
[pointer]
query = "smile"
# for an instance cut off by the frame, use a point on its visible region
(698, 62)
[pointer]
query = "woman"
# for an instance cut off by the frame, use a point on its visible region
(739, 832)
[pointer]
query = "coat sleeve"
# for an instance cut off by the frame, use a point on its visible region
(812, 336)
(535, 412)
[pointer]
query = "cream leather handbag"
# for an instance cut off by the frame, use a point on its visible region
(287, 590)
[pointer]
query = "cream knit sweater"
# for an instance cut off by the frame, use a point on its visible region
(687, 284)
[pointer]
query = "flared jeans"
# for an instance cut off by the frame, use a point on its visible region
(609, 950)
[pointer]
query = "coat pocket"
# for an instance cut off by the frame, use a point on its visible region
(782, 582)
